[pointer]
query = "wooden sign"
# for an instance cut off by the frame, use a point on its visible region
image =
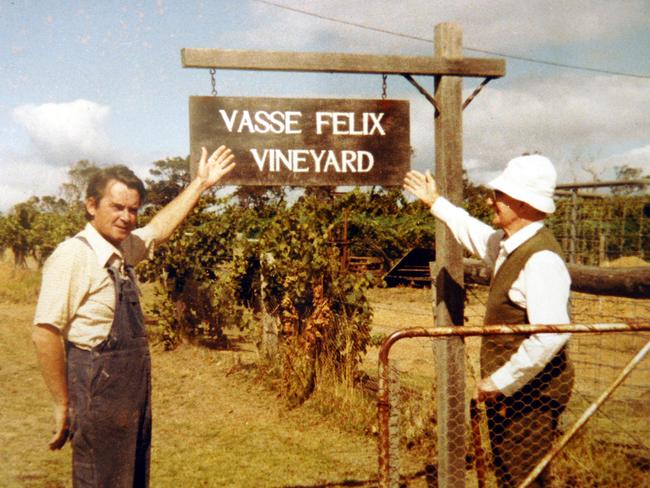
(304, 142)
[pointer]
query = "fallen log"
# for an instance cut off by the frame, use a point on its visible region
(631, 282)
(622, 282)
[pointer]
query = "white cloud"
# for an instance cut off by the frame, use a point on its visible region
(26, 176)
(576, 119)
(63, 133)
(519, 26)
(23, 178)
(568, 118)
(60, 134)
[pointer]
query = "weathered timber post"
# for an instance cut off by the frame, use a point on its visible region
(641, 229)
(449, 352)
(268, 349)
(574, 227)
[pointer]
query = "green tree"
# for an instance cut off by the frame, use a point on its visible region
(34, 228)
(323, 311)
(475, 200)
(210, 274)
(20, 222)
(78, 176)
(628, 173)
(170, 176)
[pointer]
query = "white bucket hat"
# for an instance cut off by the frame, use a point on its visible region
(530, 179)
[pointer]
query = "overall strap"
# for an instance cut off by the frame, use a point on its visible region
(84, 240)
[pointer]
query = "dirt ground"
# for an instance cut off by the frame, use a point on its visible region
(213, 424)
(216, 425)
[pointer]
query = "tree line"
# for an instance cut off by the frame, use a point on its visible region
(262, 253)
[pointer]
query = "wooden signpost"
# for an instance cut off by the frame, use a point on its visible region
(448, 66)
(305, 142)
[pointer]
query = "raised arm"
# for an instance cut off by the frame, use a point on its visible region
(210, 171)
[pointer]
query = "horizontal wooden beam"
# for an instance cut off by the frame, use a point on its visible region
(340, 63)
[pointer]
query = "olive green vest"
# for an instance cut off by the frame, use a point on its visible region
(497, 349)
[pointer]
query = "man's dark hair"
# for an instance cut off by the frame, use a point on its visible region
(99, 181)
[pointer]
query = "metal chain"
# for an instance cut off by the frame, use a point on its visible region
(213, 80)
(384, 86)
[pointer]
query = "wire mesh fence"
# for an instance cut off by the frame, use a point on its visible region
(612, 449)
(598, 229)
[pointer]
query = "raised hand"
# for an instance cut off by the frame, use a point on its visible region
(422, 186)
(212, 169)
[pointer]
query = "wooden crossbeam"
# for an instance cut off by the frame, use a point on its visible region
(341, 63)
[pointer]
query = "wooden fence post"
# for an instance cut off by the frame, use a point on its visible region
(449, 352)
(269, 341)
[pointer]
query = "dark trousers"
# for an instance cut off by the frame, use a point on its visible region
(110, 401)
(111, 418)
(519, 441)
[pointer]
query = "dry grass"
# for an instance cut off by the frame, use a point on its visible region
(213, 426)
(25, 409)
(216, 423)
(19, 285)
(619, 430)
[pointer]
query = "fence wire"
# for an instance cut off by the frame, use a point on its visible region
(612, 450)
(602, 230)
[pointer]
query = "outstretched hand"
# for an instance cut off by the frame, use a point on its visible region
(212, 169)
(422, 186)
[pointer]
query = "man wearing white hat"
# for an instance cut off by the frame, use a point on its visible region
(526, 380)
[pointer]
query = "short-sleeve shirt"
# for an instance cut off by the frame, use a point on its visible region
(77, 294)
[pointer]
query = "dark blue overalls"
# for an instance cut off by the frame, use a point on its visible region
(110, 399)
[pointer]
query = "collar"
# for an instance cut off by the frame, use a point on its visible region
(521, 236)
(103, 249)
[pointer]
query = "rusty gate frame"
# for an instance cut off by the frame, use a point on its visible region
(383, 395)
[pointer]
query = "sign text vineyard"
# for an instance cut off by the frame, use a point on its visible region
(305, 142)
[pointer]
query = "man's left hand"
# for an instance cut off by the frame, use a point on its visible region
(212, 169)
(61, 427)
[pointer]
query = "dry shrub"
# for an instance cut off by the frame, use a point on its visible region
(321, 342)
(350, 404)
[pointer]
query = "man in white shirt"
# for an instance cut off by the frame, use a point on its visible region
(89, 330)
(526, 381)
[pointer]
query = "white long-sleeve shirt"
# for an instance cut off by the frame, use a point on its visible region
(542, 288)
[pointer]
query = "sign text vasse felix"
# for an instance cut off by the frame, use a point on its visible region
(305, 142)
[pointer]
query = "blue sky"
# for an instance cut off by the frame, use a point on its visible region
(103, 80)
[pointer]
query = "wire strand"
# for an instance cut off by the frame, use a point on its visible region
(429, 40)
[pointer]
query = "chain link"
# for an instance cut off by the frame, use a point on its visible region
(213, 81)
(384, 86)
